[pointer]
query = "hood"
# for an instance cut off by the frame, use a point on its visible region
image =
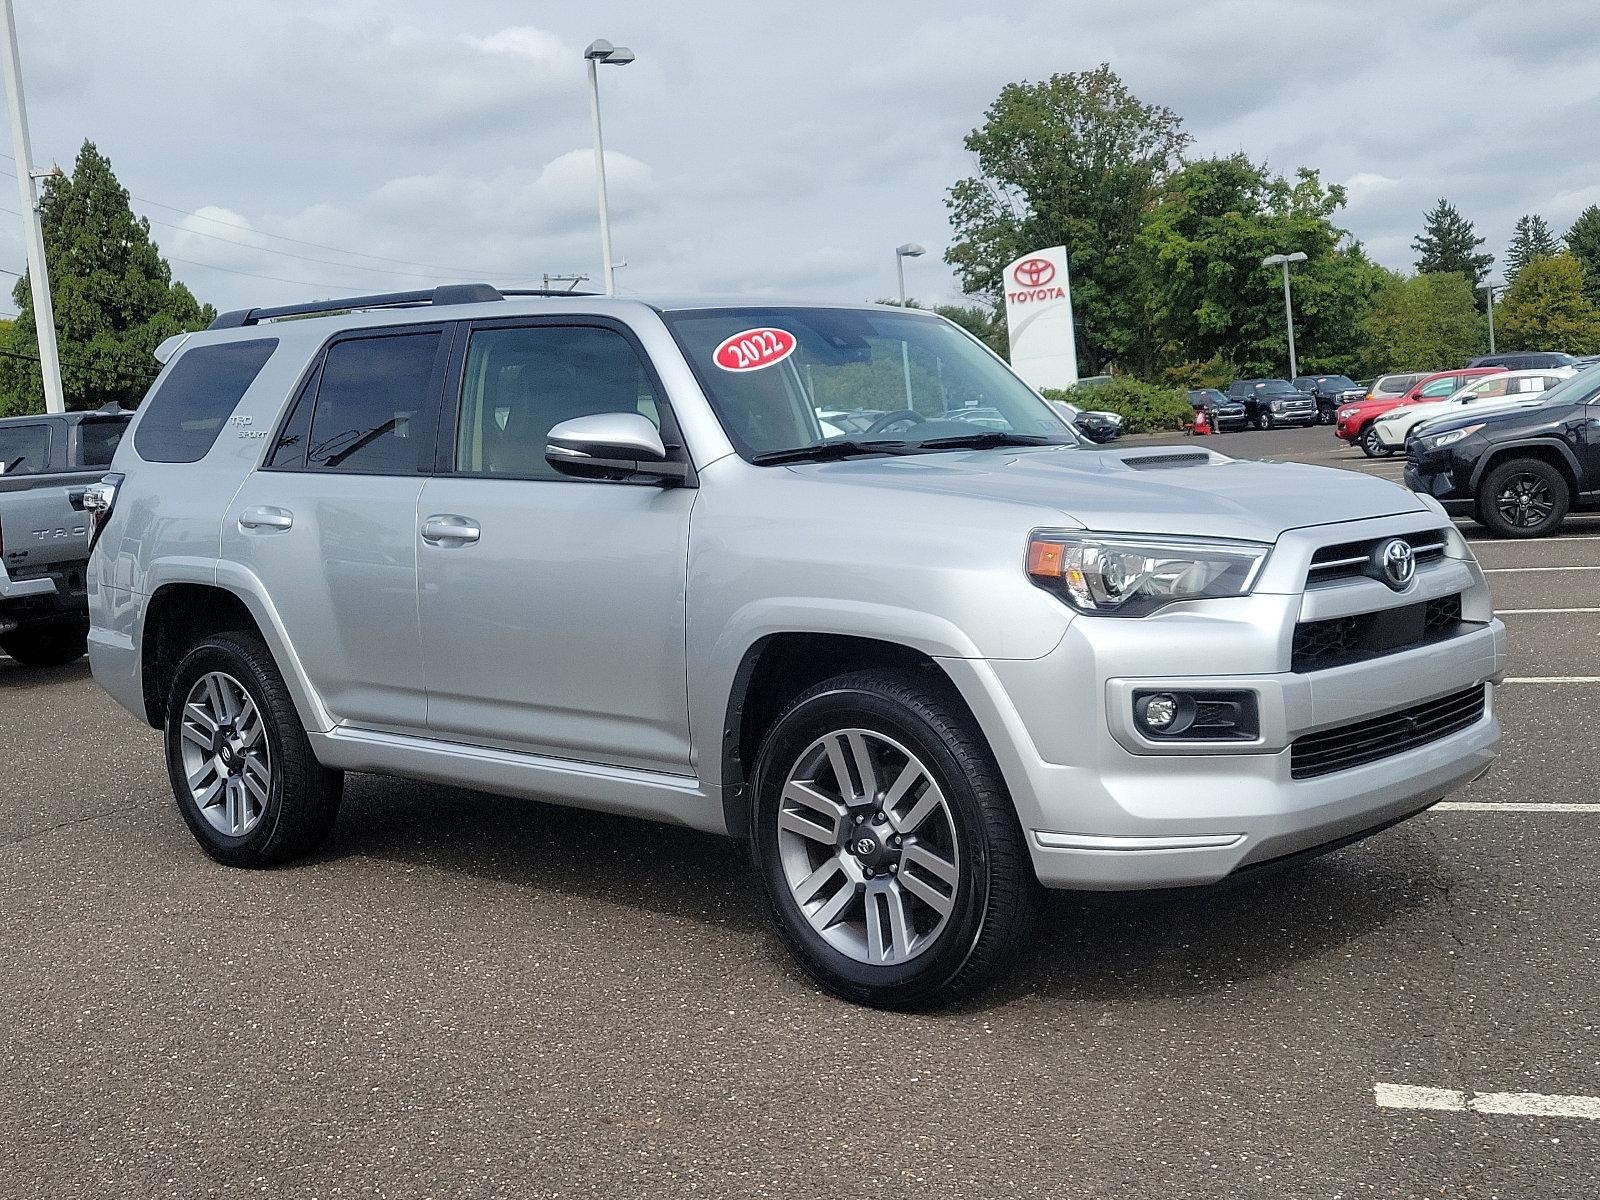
(1432, 412)
(1158, 489)
(1534, 414)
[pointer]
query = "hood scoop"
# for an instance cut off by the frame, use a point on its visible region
(1159, 462)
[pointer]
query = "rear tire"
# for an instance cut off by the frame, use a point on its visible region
(1371, 446)
(888, 893)
(47, 644)
(1523, 498)
(242, 770)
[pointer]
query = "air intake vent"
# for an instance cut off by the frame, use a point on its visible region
(1381, 737)
(1155, 462)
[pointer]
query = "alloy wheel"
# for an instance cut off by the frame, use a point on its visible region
(867, 844)
(1525, 501)
(227, 761)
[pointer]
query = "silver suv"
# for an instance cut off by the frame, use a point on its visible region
(612, 554)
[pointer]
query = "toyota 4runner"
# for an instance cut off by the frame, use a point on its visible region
(606, 553)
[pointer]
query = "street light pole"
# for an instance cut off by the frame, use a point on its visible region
(1489, 289)
(1283, 260)
(901, 253)
(44, 317)
(600, 51)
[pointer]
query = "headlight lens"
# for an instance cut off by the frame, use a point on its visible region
(1346, 413)
(1116, 576)
(1439, 440)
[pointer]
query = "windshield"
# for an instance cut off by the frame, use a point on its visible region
(1585, 385)
(1273, 387)
(785, 379)
(1337, 381)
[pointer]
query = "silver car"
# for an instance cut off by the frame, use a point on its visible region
(602, 552)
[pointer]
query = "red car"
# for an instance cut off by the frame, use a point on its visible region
(1353, 422)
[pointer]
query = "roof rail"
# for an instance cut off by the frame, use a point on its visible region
(445, 293)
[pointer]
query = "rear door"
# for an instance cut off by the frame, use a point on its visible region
(329, 523)
(552, 609)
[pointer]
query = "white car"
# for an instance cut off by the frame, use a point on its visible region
(1506, 389)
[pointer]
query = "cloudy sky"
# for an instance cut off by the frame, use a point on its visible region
(293, 150)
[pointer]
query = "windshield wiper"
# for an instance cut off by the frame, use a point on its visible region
(823, 451)
(990, 437)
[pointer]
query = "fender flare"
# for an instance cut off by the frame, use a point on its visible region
(1497, 451)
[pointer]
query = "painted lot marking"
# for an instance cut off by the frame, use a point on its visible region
(1552, 679)
(1511, 806)
(1522, 612)
(1531, 570)
(1509, 1104)
(1486, 540)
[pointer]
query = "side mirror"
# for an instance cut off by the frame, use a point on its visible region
(615, 445)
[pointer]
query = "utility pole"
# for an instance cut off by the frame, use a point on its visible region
(602, 51)
(1489, 289)
(44, 316)
(1283, 260)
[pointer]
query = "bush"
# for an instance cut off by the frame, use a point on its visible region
(1143, 407)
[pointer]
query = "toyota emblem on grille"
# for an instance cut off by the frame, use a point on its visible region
(1396, 563)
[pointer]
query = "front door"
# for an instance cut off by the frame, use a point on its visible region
(552, 609)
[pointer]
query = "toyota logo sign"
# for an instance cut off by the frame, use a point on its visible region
(1397, 563)
(1034, 272)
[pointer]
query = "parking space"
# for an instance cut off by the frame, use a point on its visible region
(470, 996)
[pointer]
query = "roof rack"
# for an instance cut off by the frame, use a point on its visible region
(445, 293)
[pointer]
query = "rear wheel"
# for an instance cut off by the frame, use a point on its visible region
(243, 772)
(1371, 446)
(1523, 498)
(50, 644)
(892, 861)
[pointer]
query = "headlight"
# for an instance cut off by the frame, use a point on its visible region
(1276, 405)
(1346, 413)
(1119, 576)
(1439, 440)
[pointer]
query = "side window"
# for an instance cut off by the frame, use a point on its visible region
(374, 413)
(1440, 387)
(519, 382)
(24, 449)
(98, 440)
(288, 452)
(1494, 386)
(184, 416)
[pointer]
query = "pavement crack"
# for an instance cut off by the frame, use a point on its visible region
(60, 825)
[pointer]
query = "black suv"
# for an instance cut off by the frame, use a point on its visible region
(1519, 472)
(1222, 412)
(1270, 403)
(1330, 391)
(1526, 361)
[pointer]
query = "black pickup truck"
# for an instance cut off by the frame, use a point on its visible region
(46, 462)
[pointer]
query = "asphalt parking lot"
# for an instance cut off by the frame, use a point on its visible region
(469, 996)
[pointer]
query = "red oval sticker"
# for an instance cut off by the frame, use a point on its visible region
(754, 349)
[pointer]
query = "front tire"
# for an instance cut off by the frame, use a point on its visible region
(242, 770)
(1371, 446)
(52, 644)
(886, 843)
(1523, 498)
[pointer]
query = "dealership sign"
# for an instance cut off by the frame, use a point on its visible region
(1039, 318)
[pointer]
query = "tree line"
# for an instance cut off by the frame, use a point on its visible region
(1165, 251)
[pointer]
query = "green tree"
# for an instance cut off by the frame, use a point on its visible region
(1583, 241)
(1075, 160)
(986, 323)
(1212, 301)
(1425, 323)
(1532, 239)
(114, 297)
(1448, 243)
(1545, 309)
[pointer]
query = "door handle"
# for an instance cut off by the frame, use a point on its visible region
(266, 517)
(447, 528)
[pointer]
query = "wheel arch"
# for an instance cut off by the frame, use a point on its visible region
(776, 668)
(1551, 450)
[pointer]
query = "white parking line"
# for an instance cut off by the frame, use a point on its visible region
(1509, 806)
(1510, 1104)
(1486, 540)
(1531, 570)
(1552, 679)
(1520, 612)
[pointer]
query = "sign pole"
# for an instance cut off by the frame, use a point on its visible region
(44, 317)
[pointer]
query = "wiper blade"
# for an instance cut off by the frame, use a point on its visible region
(991, 437)
(823, 451)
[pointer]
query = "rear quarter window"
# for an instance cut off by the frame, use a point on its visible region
(98, 440)
(24, 448)
(184, 416)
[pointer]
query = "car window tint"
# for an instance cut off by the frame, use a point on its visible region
(98, 440)
(520, 382)
(1440, 387)
(372, 411)
(24, 449)
(184, 415)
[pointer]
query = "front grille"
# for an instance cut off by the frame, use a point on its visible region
(1339, 641)
(1382, 737)
(1350, 560)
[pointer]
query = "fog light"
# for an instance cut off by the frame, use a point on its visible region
(1164, 714)
(1202, 716)
(1160, 711)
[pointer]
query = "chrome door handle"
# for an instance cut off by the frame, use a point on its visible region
(266, 517)
(447, 528)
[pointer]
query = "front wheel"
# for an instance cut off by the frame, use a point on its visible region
(1523, 498)
(886, 843)
(1371, 446)
(1258, 421)
(246, 780)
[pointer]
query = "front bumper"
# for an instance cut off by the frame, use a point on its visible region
(1103, 812)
